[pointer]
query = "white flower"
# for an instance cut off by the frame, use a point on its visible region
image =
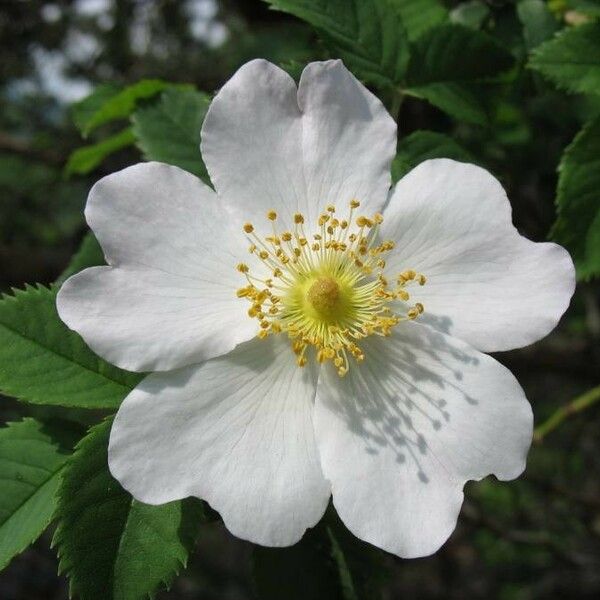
(386, 300)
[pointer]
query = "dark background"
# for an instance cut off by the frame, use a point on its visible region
(538, 537)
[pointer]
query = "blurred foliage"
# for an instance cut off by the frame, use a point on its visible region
(495, 82)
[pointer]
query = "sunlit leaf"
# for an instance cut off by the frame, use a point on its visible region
(32, 457)
(43, 362)
(86, 159)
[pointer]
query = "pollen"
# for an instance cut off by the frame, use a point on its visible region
(329, 290)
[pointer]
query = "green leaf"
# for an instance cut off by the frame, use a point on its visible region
(86, 159)
(32, 456)
(420, 15)
(305, 571)
(368, 35)
(578, 201)
(571, 60)
(452, 53)
(423, 145)
(470, 14)
(169, 130)
(89, 255)
(538, 22)
(43, 362)
(122, 104)
(462, 101)
(111, 546)
(84, 110)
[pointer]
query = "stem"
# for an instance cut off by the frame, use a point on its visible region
(572, 408)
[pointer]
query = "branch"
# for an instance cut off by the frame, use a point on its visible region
(574, 407)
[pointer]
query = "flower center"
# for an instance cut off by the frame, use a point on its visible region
(327, 291)
(324, 294)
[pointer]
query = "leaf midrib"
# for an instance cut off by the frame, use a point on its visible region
(65, 357)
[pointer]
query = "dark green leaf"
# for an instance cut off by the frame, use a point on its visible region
(122, 104)
(538, 22)
(578, 201)
(86, 159)
(367, 34)
(423, 145)
(420, 15)
(169, 130)
(84, 110)
(462, 101)
(571, 59)
(89, 255)
(32, 456)
(110, 546)
(43, 362)
(452, 53)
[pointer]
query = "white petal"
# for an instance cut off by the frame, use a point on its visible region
(236, 431)
(270, 146)
(485, 283)
(169, 297)
(403, 431)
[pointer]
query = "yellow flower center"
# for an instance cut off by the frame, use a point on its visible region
(328, 291)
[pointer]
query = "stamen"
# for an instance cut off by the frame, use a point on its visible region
(331, 292)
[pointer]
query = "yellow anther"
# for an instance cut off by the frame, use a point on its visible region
(331, 291)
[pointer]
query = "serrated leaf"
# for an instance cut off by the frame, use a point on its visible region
(423, 145)
(32, 456)
(89, 254)
(86, 159)
(110, 546)
(169, 131)
(368, 35)
(83, 111)
(462, 101)
(122, 104)
(43, 362)
(538, 22)
(578, 201)
(571, 60)
(420, 15)
(452, 53)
